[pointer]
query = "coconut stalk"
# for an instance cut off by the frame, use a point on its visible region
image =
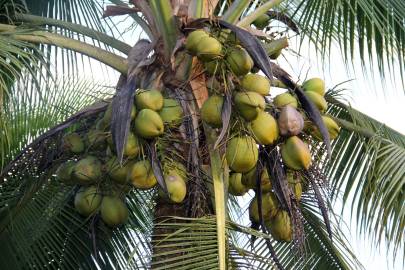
(246, 21)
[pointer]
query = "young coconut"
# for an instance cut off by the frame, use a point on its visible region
(87, 200)
(239, 61)
(318, 100)
(285, 99)
(280, 226)
(193, 39)
(249, 104)
(176, 186)
(141, 175)
(241, 154)
(290, 121)
(331, 125)
(264, 128)
(117, 172)
(72, 143)
(316, 85)
(148, 124)
(211, 111)
(269, 207)
(87, 170)
(171, 113)
(213, 67)
(249, 180)
(113, 211)
(256, 83)
(208, 48)
(149, 99)
(295, 154)
(236, 186)
(64, 172)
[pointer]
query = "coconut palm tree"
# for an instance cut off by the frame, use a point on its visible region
(50, 53)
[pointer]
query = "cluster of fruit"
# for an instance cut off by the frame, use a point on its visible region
(92, 164)
(255, 121)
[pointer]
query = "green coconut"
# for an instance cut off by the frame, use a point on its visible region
(331, 125)
(87, 170)
(318, 100)
(64, 172)
(275, 54)
(118, 172)
(193, 39)
(236, 187)
(290, 121)
(213, 67)
(316, 85)
(285, 99)
(256, 83)
(171, 113)
(208, 48)
(280, 226)
(148, 124)
(269, 207)
(96, 139)
(249, 180)
(239, 61)
(295, 154)
(149, 99)
(132, 147)
(176, 186)
(72, 143)
(264, 128)
(249, 104)
(113, 211)
(241, 154)
(211, 111)
(141, 175)
(262, 21)
(87, 200)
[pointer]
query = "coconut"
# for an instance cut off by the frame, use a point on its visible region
(87, 200)
(72, 143)
(249, 104)
(149, 99)
(269, 207)
(208, 48)
(280, 226)
(132, 147)
(290, 121)
(264, 128)
(331, 125)
(249, 180)
(318, 100)
(96, 139)
(262, 21)
(64, 172)
(239, 61)
(256, 83)
(148, 124)
(285, 99)
(176, 186)
(171, 113)
(211, 111)
(295, 154)
(87, 170)
(141, 175)
(213, 67)
(316, 85)
(113, 211)
(118, 172)
(193, 39)
(294, 181)
(236, 186)
(275, 54)
(241, 154)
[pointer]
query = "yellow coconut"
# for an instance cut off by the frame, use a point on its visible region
(316, 85)
(141, 175)
(256, 83)
(176, 186)
(285, 99)
(171, 113)
(331, 125)
(236, 186)
(72, 143)
(249, 104)
(296, 154)
(239, 61)
(264, 128)
(64, 172)
(280, 226)
(87, 200)
(149, 99)
(113, 211)
(148, 124)
(211, 111)
(290, 121)
(249, 180)
(193, 39)
(269, 207)
(87, 170)
(118, 172)
(294, 181)
(208, 48)
(132, 146)
(318, 100)
(241, 154)
(262, 21)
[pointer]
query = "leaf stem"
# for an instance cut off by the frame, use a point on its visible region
(246, 21)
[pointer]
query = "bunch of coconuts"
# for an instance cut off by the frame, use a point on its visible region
(252, 124)
(102, 180)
